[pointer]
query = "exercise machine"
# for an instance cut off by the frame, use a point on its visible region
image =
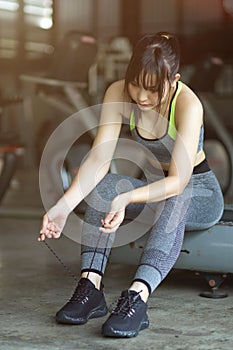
(10, 147)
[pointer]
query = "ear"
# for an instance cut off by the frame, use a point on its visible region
(177, 77)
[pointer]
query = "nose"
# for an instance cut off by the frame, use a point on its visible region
(142, 95)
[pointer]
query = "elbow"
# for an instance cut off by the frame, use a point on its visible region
(180, 190)
(181, 186)
(175, 186)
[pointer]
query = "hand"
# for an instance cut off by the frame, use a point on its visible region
(115, 217)
(53, 223)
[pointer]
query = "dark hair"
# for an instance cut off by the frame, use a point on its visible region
(154, 55)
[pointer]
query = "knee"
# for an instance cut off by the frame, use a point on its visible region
(103, 192)
(110, 186)
(105, 188)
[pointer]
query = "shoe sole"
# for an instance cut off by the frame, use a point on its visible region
(96, 313)
(109, 332)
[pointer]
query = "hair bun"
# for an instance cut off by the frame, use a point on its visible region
(166, 36)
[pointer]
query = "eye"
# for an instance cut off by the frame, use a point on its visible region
(134, 83)
(153, 90)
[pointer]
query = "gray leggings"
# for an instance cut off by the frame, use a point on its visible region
(200, 206)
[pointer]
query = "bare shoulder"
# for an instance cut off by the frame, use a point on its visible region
(115, 92)
(187, 98)
(188, 103)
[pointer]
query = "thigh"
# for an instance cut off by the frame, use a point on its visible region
(98, 204)
(111, 186)
(206, 203)
(99, 200)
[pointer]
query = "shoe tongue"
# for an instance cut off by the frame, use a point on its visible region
(86, 282)
(129, 293)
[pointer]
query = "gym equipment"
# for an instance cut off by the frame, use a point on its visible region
(67, 86)
(207, 252)
(10, 149)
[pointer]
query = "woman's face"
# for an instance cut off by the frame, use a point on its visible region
(147, 98)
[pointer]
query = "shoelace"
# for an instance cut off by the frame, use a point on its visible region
(125, 305)
(81, 294)
(92, 261)
(61, 262)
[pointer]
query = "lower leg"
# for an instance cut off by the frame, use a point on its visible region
(141, 288)
(163, 246)
(95, 278)
(96, 246)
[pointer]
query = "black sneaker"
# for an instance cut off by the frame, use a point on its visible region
(128, 318)
(87, 302)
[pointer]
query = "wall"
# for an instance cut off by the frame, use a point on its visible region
(104, 16)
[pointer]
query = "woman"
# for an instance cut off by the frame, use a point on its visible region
(178, 190)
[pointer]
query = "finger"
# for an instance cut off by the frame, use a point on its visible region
(116, 220)
(47, 233)
(112, 224)
(52, 234)
(112, 227)
(44, 223)
(41, 237)
(52, 227)
(56, 235)
(108, 230)
(108, 218)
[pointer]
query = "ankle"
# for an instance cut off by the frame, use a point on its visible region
(93, 277)
(140, 288)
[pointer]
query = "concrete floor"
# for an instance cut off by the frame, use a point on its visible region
(34, 285)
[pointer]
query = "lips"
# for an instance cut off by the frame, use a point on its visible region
(144, 105)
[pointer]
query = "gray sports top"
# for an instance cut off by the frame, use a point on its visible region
(162, 147)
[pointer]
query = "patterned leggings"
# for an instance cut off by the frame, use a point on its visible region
(200, 206)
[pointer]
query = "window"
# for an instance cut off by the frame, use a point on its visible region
(37, 12)
(37, 20)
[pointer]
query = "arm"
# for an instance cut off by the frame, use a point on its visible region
(189, 118)
(93, 169)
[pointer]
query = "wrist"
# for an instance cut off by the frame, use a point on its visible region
(126, 198)
(63, 206)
